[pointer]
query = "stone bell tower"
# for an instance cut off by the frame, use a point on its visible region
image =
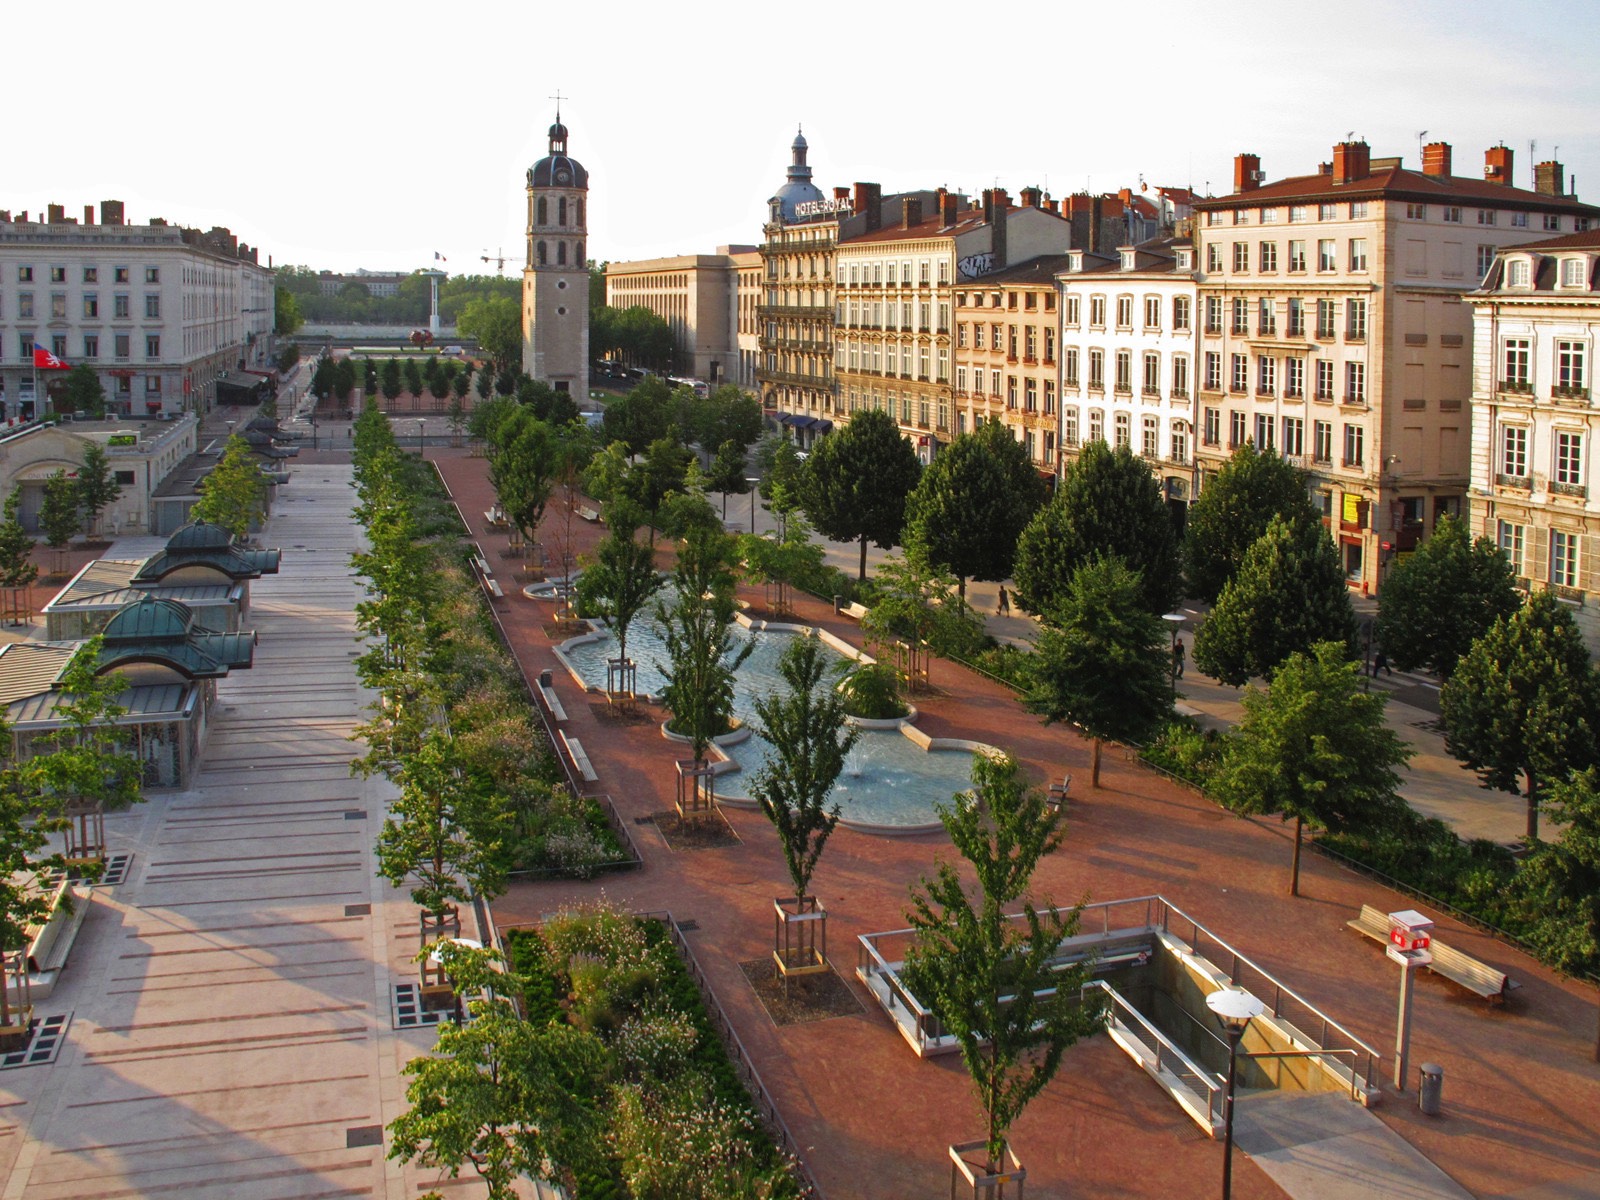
(555, 279)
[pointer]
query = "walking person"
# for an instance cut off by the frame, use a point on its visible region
(1178, 654)
(1003, 607)
(1381, 663)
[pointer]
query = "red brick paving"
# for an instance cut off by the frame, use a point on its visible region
(1522, 1092)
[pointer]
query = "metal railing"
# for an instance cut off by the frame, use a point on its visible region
(1206, 1087)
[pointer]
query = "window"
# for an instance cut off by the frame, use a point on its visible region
(1294, 378)
(1213, 314)
(1573, 273)
(1124, 370)
(1294, 437)
(1358, 254)
(152, 307)
(1097, 370)
(1241, 258)
(1123, 424)
(1297, 214)
(1264, 431)
(1213, 381)
(1011, 391)
(91, 306)
(1214, 257)
(58, 274)
(1266, 375)
(961, 380)
(1563, 558)
(1515, 378)
(1152, 374)
(1487, 216)
(1519, 219)
(1150, 438)
(1269, 216)
(1266, 317)
(1049, 394)
(1180, 314)
(1236, 429)
(121, 347)
(977, 382)
(1241, 316)
(1327, 259)
(1355, 320)
(1031, 344)
(1213, 217)
(1097, 425)
(1269, 256)
(25, 275)
(1355, 383)
(1510, 539)
(58, 308)
(1070, 367)
(1355, 445)
(1325, 319)
(1518, 273)
(1322, 441)
(1552, 223)
(91, 274)
(1327, 212)
(152, 346)
(152, 274)
(1297, 256)
(961, 337)
(1124, 312)
(1452, 214)
(1241, 216)
(1240, 381)
(1070, 431)
(1212, 432)
(25, 305)
(152, 385)
(1324, 379)
(1297, 317)
(1416, 212)
(1569, 368)
(119, 274)
(1180, 443)
(91, 345)
(1485, 260)
(1180, 375)
(1072, 316)
(1152, 312)
(1514, 451)
(1097, 312)
(1569, 458)
(1049, 345)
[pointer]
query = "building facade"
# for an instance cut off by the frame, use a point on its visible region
(1534, 428)
(161, 312)
(555, 278)
(1332, 328)
(698, 296)
(1127, 356)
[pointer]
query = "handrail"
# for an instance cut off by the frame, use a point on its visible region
(1211, 1086)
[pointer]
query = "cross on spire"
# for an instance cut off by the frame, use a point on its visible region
(558, 98)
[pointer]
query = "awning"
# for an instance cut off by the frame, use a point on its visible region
(241, 383)
(824, 425)
(798, 422)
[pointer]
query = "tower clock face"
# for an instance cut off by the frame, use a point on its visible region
(563, 176)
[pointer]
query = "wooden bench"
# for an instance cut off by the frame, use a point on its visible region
(580, 760)
(587, 513)
(494, 518)
(854, 610)
(1055, 796)
(1479, 977)
(494, 588)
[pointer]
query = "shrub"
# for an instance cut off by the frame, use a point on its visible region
(1183, 749)
(873, 692)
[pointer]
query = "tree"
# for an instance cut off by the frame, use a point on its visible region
(322, 378)
(810, 739)
(916, 604)
(1443, 597)
(512, 1099)
(496, 324)
(234, 494)
(61, 514)
(1101, 659)
(391, 378)
(641, 417)
(17, 568)
(698, 631)
(97, 484)
(996, 983)
(525, 459)
(1234, 510)
(618, 582)
(780, 559)
(1557, 887)
(727, 473)
(1288, 594)
(439, 385)
(286, 317)
(25, 831)
(662, 472)
(1313, 748)
(413, 377)
(460, 388)
(344, 378)
(485, 386)
(1522, 707)
(973, 503)
(82, 392)
(854, 485)
(727, 414)
(1108, 502)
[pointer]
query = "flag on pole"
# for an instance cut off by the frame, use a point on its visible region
(437, 257)
(43, 360)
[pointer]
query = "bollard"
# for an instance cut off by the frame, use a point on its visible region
(1430, 1089)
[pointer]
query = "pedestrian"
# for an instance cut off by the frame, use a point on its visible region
(1381, 663)
(1178, 653)
(1003, 608)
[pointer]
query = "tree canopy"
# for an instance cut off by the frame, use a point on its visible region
(497, 324)
(234, 494)
(82, 392)
(97, 484)
(1107, 502)
(61, 513)
(1234, 509)
(697, 629)
(854, 485)
(1558, 884)
(17, 568)
(640, 417)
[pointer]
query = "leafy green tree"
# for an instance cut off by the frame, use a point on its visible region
(1108, 503)
(781, 468)
(661, 473)
(505, 380)
(688, 507)
(515, 1100)
(344, 378)
(485, 386)
(916, 603)
(82, 392)
(1288, 594)
(973, 503)
(439, 386)
(1443, 597)
(286, 318)
(1234, 510)
(727, 414)
(391, 378)
(995, 982)
(619, 581)
(854, 485)
(1101, 659)
(460, 387)
(322, 378)
(61, 514)
(413, 377)
(525, 459)
(25, 854)
(97, 484)
(234, 494)
(1523, 704)
(698, 631)
(810, 740)
(727, 473)
(17, 568)
(640, 418)
(1313, 748)
(1557, 888)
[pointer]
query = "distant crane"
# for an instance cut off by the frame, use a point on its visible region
(499, 259)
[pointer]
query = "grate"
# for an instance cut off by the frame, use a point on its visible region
(117, 866)
(357, 910)
(408, 1010)
(363, 1135)
(689, 926)
(45, 1036)
(644, 820)
(355, 814)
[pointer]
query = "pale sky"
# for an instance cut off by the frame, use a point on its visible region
(345, 134)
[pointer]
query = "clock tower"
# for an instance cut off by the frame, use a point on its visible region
(555, 281)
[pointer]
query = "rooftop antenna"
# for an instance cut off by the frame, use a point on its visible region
(1351, 136)
(1532, 157)
(1421, 133)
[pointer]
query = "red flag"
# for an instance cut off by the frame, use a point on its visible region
(43, 360)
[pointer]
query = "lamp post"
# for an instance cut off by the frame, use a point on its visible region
(1235, 1008)
(1174, 622)
(754, 484)
(421, 452)
(313, 430)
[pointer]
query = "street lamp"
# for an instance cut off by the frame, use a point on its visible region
(313, 430)
(1235, 1008)
(421, 453)
(753, 485)
(1174, 621)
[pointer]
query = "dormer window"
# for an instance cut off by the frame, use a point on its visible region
(1185, 260)
(1518, 272)
(1127, 260)
(1574, 272)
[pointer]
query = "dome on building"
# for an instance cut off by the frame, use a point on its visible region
(558, 169)
(200, 535)
(149, 619)
(798, 189)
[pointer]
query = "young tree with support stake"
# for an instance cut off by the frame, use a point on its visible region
(97, 485)
(17, 568)
(234, 495)
(61, 514)
(996, 983)
(1313, 748)
(618, 583)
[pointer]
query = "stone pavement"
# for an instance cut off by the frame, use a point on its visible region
(231, 1025)
(1522, 1092)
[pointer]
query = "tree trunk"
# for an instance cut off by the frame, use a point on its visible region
(961, 587)
(862, 577)
(1094, 765)
(1294, 862)
(1533, 806)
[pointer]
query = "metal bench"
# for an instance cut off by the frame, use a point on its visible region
(494, 588)
(1479, 977)
(587, 513)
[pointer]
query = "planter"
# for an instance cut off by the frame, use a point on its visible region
(971, 1173)
(799, 936)
(696, 797)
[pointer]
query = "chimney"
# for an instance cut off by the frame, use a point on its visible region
(1031, 197)
(88, 214)
(988, 206)
(111, 212)
(1436, 159)
(910, 212)
(869, 197)
(1096, 213)
(949, 208)
(5, 216)
(1351, 161)
(1548, 178)
(1246, 172)
(22, 217)
(58, 215)
(840, 193)
(1497, 164)
(1325, 168)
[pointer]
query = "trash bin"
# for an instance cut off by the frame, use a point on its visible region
(1430, 1089)
(544, 678)
(838, 605)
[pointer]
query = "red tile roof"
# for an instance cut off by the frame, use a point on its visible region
(1589, 239)
(1396, 183)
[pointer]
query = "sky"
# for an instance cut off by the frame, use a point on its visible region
(346, 134)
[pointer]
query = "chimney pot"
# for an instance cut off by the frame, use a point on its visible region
(949, 208)
(910, 212)
(1497, 164)
(1548, 178)
(1351, 161)
(1246, 172)
(1436, 159)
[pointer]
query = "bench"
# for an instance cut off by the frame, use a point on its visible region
(1479, 977)
(587, 513)
(1055, 796)
(858, 611)
(494, 588)
(580, 760)
(494, 518)
(554, 704)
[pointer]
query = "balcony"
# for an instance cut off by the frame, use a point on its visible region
(1523, 483)
(1577, 490)
(1517, 387)
(1570, 392)
(1571, 594)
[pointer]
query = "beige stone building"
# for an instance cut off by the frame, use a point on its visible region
(1333, 328)
(1536, 319)
(141, 456)
(555, 277)
(700, 297)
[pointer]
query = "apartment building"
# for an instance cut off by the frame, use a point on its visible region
(1007, 331)
(1333, 328)
(746, 333)
(1534, 427)
(698, 297)
(1128, 356)
(895, 289)
(160, 311)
